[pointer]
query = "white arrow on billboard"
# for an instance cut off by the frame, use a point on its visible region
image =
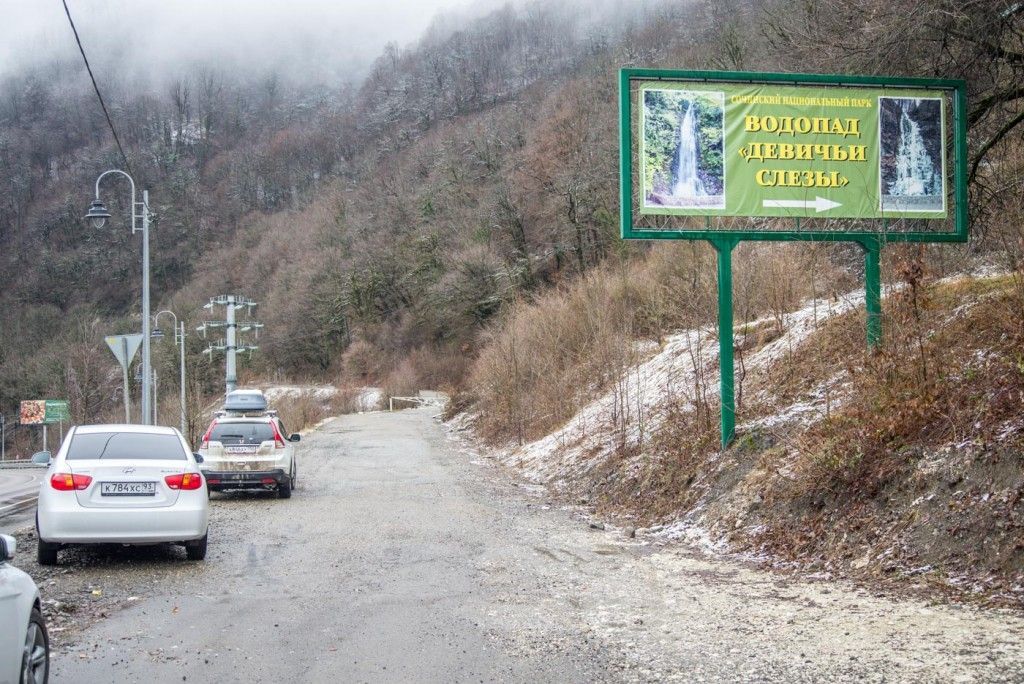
(819, 204)
(124, 348)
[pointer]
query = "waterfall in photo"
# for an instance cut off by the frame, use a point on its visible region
(684, 168)
(915, 174)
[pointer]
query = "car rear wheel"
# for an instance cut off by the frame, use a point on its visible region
(196, 550)
(35, 658)
(284, 490)
(46, 553)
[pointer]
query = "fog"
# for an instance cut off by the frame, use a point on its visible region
(312, 41)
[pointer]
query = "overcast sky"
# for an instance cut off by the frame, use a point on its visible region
(322, 40)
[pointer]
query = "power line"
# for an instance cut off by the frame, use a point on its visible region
(96, 87)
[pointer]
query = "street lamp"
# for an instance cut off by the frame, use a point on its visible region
(98, 215)
(179, 339)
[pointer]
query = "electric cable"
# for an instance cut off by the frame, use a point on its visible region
(96, 87)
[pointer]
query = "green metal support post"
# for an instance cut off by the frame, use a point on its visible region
(873, 290)
(724, 247)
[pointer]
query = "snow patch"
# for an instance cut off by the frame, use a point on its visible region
(322, 392)
(683, 371)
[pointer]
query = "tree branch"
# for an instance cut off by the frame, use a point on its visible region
(1009, 126)
(982, 107)
(995, 51)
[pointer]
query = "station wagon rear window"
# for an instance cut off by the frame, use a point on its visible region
(132, 446)
(241, 433)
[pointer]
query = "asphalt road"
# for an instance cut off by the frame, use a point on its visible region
(18, 489)
(404, 557)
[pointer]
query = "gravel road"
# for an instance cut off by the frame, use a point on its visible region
(404, 557)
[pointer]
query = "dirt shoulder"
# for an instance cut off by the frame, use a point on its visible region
(682, 614)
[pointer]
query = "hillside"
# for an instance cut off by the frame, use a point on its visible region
(393, 228)
(389, 204)
(902, 466)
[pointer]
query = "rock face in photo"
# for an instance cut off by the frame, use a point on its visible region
(911, 153)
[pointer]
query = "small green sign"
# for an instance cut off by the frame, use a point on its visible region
(57, 411)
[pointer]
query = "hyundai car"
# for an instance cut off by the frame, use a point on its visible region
(123, 484)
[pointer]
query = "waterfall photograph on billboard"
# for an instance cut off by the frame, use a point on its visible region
(912, 139)
(682, 134)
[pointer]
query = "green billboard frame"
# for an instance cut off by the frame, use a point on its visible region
(957, 88)
(725, 240)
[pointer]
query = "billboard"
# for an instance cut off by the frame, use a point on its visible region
(44, 412)
(731, 145)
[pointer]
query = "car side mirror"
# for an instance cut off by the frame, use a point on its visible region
(295, 437)
(198, 457)
(7, 547)
(42, 457)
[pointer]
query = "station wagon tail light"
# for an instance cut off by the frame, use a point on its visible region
(206, 437)
(186, 481)
(278, 439)
(68, 482)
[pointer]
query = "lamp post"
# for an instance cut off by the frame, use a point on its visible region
(98, 215)
(179, 339)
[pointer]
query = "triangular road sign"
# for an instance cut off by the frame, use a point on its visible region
(124, 347)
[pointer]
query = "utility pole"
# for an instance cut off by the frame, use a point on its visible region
(229, 345)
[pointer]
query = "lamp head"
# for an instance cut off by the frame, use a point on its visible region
(157, 334)
(97, 214)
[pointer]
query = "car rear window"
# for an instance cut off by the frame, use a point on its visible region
(242, 433)
(135, 446)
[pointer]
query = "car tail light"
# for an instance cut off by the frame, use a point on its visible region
(67, 482)
(206, 437)
(278, 439)
(268, 480)
(187, 481)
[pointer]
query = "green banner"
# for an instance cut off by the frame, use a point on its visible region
(765, 149)
(57, 411)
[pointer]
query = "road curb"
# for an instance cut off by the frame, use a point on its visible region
(7, 509)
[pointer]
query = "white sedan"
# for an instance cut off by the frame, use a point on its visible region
(122, 484)
(24, 644)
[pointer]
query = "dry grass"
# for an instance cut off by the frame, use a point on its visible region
(403, 381)
(551, 356)
(346, 400)
(945, 374)
(301, 410)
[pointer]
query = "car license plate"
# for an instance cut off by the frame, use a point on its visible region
(128, 489)
(240, 450)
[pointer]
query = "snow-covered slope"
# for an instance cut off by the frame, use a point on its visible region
(686, 366)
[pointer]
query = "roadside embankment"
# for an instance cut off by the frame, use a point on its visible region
(901, 467)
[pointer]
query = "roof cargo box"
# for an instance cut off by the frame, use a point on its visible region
(245, 400)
